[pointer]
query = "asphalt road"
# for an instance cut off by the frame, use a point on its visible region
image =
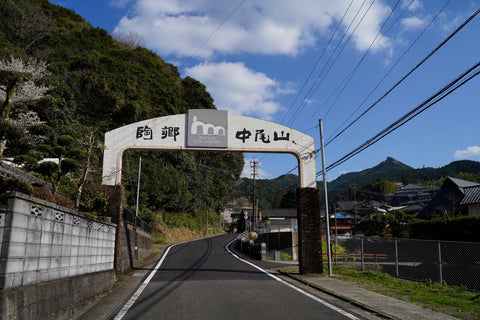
(202, 280)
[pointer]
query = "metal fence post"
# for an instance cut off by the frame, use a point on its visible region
(362, 265)
(396, 257)
(440, 261)
(336, 248)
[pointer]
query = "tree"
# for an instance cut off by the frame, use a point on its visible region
(379, 190)
(19, 82)
(391, 224)
(87, 168)
(129, 39)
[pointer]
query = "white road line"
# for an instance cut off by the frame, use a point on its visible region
(135, 296)
(139, 291)
(325, 303)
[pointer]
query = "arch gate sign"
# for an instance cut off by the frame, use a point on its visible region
(217, 130)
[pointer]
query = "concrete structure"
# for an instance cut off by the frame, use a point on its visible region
(41, 241)
(52, 259)
(216, 130)
(245, 134)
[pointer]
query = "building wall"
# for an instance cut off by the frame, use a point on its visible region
(474, 209)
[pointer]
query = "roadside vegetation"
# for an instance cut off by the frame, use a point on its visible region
(64, 83)
(456, 301)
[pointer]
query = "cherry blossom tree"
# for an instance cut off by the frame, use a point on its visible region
(19, 82)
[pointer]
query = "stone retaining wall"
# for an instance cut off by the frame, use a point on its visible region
(58, 299)
(136, 246)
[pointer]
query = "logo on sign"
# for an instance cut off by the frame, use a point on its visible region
(207, 128)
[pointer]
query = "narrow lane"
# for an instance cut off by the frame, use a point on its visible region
(202, 280)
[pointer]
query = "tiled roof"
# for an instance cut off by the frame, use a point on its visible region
(463, 183)
(410, 187)
(472, 195)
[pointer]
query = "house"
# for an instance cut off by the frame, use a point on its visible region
(358, 210)
(281, 220)
(341, 224)
(411, 194)
(449, 199)
(472, 200)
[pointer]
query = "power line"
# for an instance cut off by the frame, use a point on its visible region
(391, 69)
(318, 61)
(352, 73)
(213, 32)
(332, 55)
(321, 77)
(437, 97)
(407, 75)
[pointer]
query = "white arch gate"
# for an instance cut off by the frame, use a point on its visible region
(216, 130)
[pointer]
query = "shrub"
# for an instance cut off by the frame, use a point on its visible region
(94, 200)
(13, 184)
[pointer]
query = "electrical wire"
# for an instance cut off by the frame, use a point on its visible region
(370, 48)
(328, 66)
(330, 140)
(318, 61)
(437, 97)
(213, 32)
(332, 55)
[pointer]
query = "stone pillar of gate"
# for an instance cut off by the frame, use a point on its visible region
(115, 211)
(309, 231)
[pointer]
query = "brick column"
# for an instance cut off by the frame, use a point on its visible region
(115, 211)
(309, 231)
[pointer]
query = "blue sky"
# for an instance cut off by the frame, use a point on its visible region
(294, 62)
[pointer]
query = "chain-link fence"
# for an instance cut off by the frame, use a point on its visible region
(455, 263)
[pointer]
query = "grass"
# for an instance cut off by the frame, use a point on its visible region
(455, 301)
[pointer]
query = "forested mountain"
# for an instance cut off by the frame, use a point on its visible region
(89, 83)
(271, 193)
(378, 180)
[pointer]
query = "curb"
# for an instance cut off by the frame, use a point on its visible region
(339, 296)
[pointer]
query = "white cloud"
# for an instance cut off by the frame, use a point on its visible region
(470, 152)
(413, 23)
(412, 4)
(179, 27)
(238, 89)
(120, 3)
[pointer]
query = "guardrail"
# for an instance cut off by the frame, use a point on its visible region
(131, 218)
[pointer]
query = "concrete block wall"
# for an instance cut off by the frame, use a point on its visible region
(40, 242)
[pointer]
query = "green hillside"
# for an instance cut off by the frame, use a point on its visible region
(95, 84)
(365, 183)
(271, 193)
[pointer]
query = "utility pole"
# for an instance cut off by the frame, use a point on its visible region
(254, 165)
(138, 189)
(327, 218)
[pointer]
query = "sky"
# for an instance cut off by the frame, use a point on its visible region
(295, 62)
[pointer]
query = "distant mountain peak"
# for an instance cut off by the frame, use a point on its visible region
(391, 162)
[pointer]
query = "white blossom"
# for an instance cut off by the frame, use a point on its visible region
(27, 90)
(25, 121)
